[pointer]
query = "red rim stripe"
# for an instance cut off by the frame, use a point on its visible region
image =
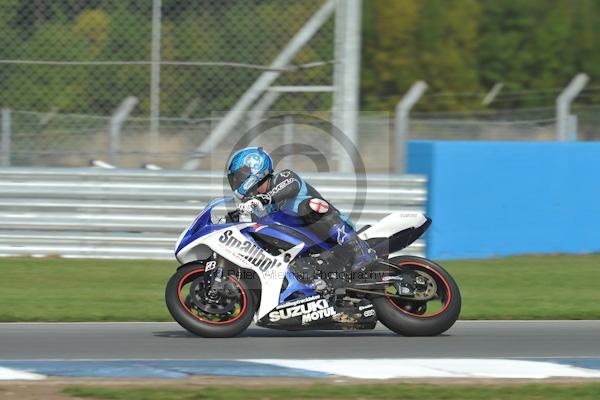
(427, 267)
(182, 282)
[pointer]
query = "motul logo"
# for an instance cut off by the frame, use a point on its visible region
(308, 311)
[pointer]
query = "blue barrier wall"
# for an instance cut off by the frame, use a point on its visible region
(491, 199)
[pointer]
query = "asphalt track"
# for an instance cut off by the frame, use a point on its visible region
(467, 339)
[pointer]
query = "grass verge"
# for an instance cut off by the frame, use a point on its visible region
(529, 287)
(58, 289)
(380, 391)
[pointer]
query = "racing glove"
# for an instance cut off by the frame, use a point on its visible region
(249, 206)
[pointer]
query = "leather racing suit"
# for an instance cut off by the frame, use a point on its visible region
(288, 192)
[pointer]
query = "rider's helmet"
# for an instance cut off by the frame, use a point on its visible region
(247, 169)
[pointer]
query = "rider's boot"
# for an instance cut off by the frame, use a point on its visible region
(350, 257)
(348, 241)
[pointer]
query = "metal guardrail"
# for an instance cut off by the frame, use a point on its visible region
(95, 213)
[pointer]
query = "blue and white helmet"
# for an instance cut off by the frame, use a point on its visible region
(247, 169)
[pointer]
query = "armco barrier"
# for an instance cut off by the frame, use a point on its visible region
(139, 214)
(503, 198)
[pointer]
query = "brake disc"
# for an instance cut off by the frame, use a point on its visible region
(220, 305)
(425, 288)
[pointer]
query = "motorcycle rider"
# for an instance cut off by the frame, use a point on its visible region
(253, 181)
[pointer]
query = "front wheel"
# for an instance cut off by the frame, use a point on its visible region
(206, 314)
(431, 312)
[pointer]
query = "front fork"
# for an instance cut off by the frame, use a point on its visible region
(216, 281)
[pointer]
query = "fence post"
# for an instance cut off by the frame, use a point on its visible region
(288, 138)
(155, 76)
(401, 123)
(116, 122)
(492, 94)
(564, 119)
(346, 77)
(6, 134)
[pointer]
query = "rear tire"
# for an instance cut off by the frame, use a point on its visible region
(401, 321)
(193, 322)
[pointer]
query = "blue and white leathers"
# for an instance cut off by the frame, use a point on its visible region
(235, 242)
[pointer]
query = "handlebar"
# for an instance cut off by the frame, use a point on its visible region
(233, 216)
(238, 216)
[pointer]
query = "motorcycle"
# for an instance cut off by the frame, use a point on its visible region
(244, 268)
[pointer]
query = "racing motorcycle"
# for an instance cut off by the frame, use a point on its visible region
(239, 268)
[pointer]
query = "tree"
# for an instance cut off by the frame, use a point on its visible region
(447, 47)
(407, 40)
(390, 53)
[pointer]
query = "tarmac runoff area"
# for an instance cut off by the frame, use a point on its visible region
(471, 350)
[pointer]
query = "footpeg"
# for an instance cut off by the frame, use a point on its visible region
(318, 285)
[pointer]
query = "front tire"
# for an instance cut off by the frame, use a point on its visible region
(183, 310)
(410, 318)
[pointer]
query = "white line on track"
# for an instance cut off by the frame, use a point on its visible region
(437, 368)
(13, 374)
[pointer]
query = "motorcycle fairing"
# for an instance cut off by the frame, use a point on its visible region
(393, 223)
(293, 226)
(241, 250)
(317, 312)
(294, 286)
(201, 226)
(234, 242)
(395, 231)
(202, 238)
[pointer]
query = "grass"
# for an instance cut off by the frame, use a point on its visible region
(58, 289)
(379, 391)
(529, 287)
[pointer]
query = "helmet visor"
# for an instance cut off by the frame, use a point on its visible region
(238, 177)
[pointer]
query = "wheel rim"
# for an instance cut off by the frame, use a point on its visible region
(190, 299)
(419, 308)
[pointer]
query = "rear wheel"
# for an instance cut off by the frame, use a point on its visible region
(224, 314)
(434, 308)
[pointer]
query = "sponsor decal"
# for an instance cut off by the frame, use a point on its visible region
(281, 185)
(369, 313)
(258, 227)
(408, 215)
(248, 251)
(299, 301)
(210, 266)
(360, 308)
(285, 173)
(310, 309)
(248, 183)
(342, 235)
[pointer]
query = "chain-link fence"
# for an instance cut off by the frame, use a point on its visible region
(58, 139)
(137, 82)
(67, 66)
(528, 124)
(523, 124)
(588, 121)
(54, 139)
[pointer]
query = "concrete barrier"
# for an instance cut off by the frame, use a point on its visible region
(492, 199)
